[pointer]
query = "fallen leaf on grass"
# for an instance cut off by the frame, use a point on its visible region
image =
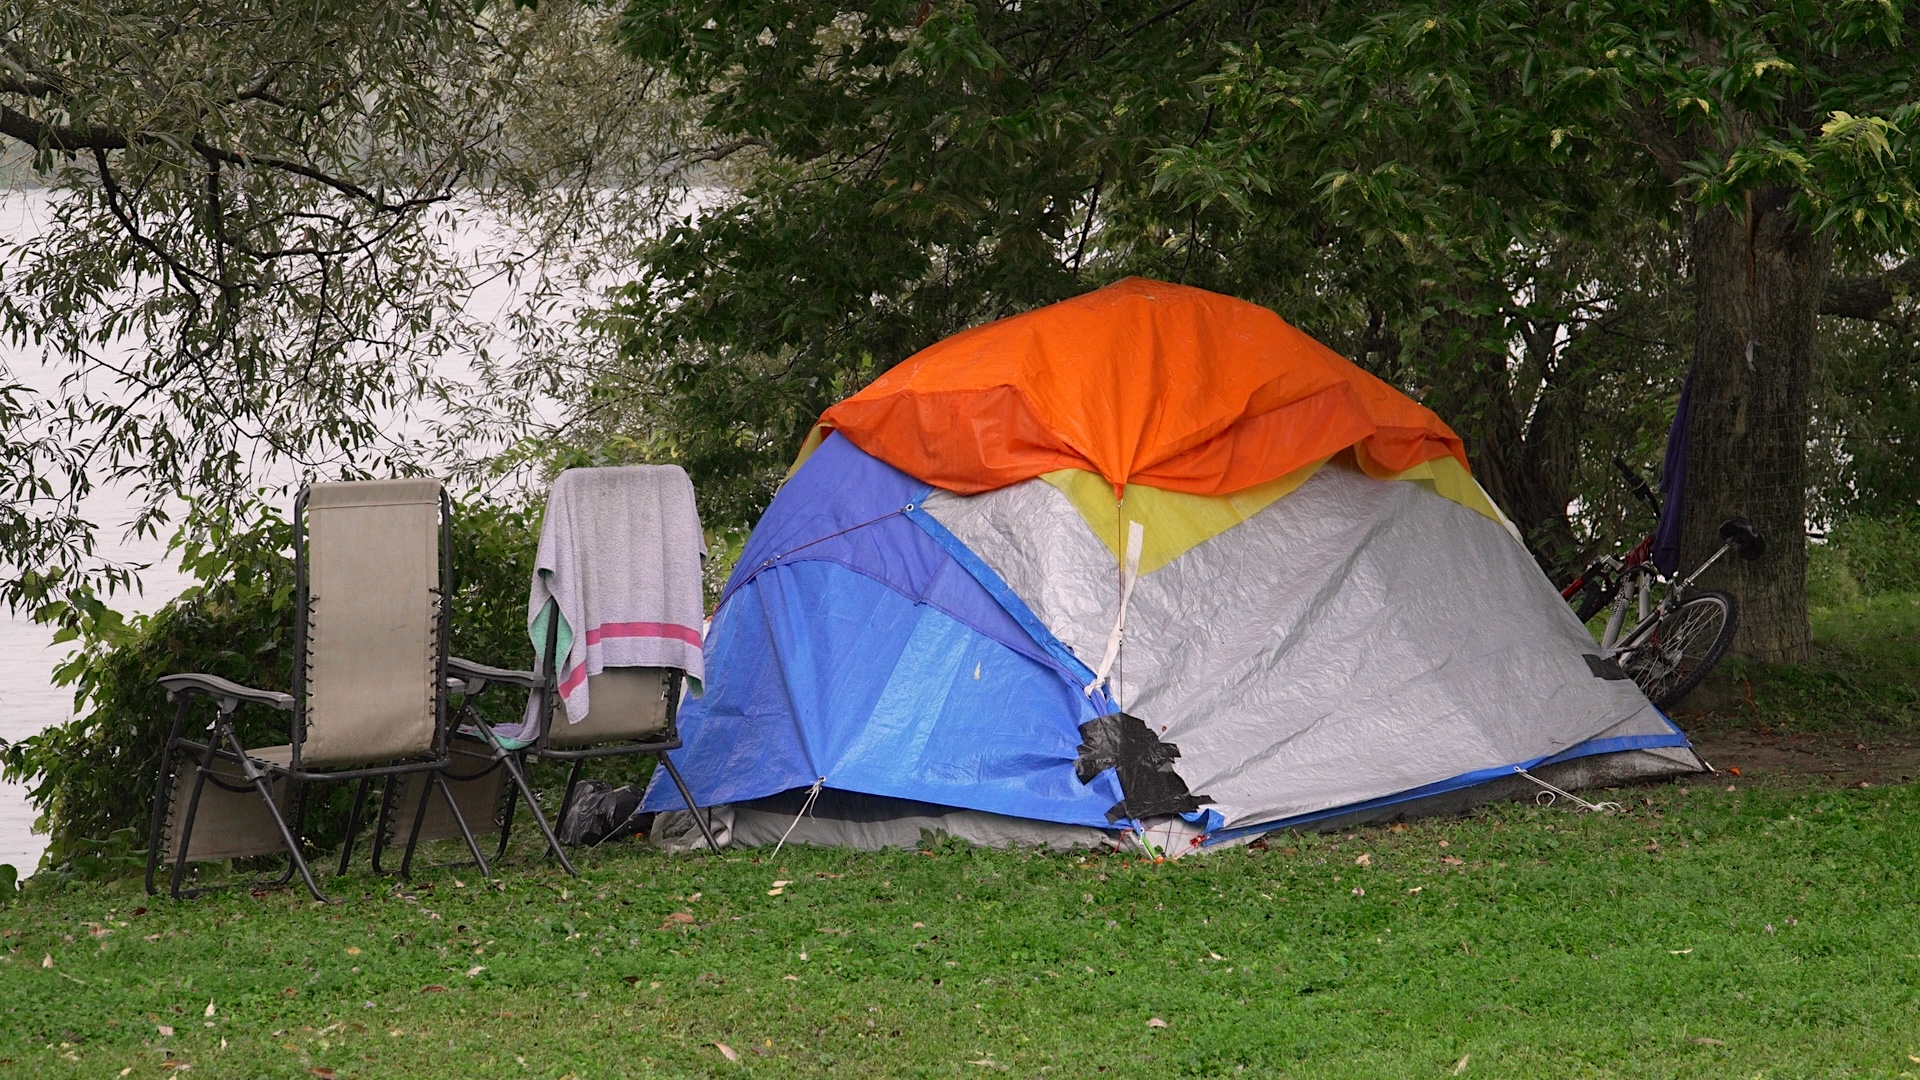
(1678, 952)
(679, 917)
(1156, 1022)
(789, 978)
(210, 1009)
(1365, 859)
(166, 1031)
(1398, 826)
(180, 1066)
(726, 1051)
(1452, 860)
(1461, 1065)
(46, 961)
(435, 988)
(775, 891)
(1704, 1041)
(475, 970)
(353, 950)
(322, 1072)
(1415, 889)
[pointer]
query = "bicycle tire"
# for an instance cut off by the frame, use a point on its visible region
(1684, 648)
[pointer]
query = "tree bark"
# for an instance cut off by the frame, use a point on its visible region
(1759, 278)
(1524, 463)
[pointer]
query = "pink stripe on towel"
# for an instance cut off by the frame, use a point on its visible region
(627, 630)
(643, 629)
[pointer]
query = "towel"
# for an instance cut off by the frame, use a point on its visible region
(619, 561)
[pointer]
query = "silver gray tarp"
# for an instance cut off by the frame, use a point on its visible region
(1355, 639)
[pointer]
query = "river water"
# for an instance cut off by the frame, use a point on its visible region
(29, 701)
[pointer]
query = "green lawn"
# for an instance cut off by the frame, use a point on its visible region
(1705, 932)
(1865, 674)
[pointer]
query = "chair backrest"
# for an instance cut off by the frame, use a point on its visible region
(374, 584)
(628, 704)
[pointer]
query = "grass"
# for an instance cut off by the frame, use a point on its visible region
(1862, 681)
(1703, 932)
(1759, 930)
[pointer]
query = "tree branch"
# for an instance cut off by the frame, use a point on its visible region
(1870, 298)
(37, 133)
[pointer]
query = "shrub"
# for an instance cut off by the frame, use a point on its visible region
(1865, 557)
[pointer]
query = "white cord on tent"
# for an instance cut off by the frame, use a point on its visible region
(1552, 791)
(1136, 536)
(812, 794)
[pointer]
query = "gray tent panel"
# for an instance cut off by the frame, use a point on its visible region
(1355, 639)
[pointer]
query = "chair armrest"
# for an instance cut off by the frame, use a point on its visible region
(470, 672)
(228, 693)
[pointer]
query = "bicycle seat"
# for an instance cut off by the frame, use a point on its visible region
(1745, 536)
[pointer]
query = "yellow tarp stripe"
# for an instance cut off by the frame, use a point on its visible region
(1176, 522)
(815, 436)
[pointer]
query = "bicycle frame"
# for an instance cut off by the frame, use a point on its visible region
(1637, 584)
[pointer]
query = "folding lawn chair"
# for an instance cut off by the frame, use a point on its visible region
(601, 527)
(372, 564)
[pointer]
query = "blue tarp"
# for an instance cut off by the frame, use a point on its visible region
(850, 645)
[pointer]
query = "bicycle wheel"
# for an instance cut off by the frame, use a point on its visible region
(1683, 649)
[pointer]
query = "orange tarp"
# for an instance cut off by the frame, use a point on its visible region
(1141, 382)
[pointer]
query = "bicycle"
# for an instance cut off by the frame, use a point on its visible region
(1677, 641)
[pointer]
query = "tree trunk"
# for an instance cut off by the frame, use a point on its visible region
(1758, 279)
(1512, 456)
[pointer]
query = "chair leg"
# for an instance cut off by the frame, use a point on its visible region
(706, 826)
(460, 819)
(186, 832)
(566, 801)
(540, 819)
(385, 818)
(162, 796)
(413, 838)
(506, 816)
(353, 821)
(265, 787)
(299, 830)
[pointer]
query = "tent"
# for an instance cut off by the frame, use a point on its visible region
(1146, 564)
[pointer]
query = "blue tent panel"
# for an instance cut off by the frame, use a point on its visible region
(815, 670)
(846, 507)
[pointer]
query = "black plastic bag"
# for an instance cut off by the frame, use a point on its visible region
(600, 811)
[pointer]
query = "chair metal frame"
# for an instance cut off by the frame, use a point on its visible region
(224, 744)
(476, 677)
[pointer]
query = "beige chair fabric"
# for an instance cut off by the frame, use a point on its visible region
(626, 705)
(229, 824)
(373, 569)
(479, 799)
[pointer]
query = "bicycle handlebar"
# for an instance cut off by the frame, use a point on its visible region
(1636, 484)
